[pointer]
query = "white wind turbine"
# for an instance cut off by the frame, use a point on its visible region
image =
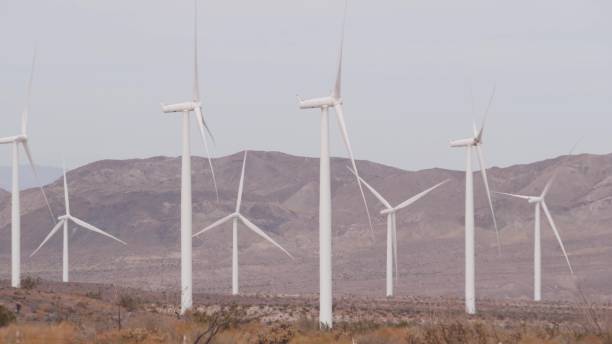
(334, 100)
(15, 141)
(540, 203)
(391, 211)
(234, 217)
(63, 221)
(474, 142)
(186, 206)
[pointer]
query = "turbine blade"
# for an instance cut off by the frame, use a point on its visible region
(24, 114)
(550, 181)
(337, 93)
(216, 224)
(53, 231)
(548, 184)
(472, 99)
(419, 196)
(347, 143)
(483, 170)
(66, 198)
(26, 148)
(200, 115)
(486, 114)
(202, 126)
(196, 84)
(241, 185)
(9, 139)
(512, 195)
(571, 152)
(372, 190)
(262, 234)
(556, 231)
(94, 228)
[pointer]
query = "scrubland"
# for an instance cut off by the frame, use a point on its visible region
(85, 313)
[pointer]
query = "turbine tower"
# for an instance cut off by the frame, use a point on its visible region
(474, 143)
(15, 142)
(335, 101)
(235, 217)
(63, 221)
(540, 203)
(186, 202)
(391, 212)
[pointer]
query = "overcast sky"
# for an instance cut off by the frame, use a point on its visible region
(104, 67)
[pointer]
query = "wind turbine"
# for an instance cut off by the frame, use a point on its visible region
(335, 101)
(186, 202)
(540, 203)
(235, 217)
(391, 213)
(15, 142)
(63, 221)
(474, 142)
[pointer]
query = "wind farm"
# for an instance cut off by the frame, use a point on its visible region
(380, 236)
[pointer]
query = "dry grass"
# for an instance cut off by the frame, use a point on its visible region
(49, 316)
(156, 329)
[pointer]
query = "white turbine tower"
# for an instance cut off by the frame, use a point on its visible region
(540, 203)
(334, 100)
(391, 213)
(63, 221)
(186, 206)
(235, 217)
(474, 142)
(15, 141)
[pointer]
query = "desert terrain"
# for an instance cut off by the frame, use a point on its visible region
(53, 312)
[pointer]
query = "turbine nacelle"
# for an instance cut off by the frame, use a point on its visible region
(535, 199)
(472, 141)
(319, 103)
(180, 107)
(388, 211)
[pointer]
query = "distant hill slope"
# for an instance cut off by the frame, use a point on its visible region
(47, 174)
(138, 200)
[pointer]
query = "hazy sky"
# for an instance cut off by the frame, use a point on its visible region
(104, 67)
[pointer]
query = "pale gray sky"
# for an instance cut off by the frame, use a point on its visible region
(104, 67)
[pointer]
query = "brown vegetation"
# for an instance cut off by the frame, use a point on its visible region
(160, 330)
(106, 314)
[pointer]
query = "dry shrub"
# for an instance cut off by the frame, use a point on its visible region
(305, 323)
(6, 316)
(321, 338)
(276, 334)
(457, 332)
(29, 282)
(96, 295)
(387, 335)
(213, 324)
(243, 335)
(591, 339)
(130, 303)
(132, 336)
(39, 334)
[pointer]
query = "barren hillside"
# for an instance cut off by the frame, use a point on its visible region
(138, 201)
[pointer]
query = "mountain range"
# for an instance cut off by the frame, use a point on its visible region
(138, 201)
